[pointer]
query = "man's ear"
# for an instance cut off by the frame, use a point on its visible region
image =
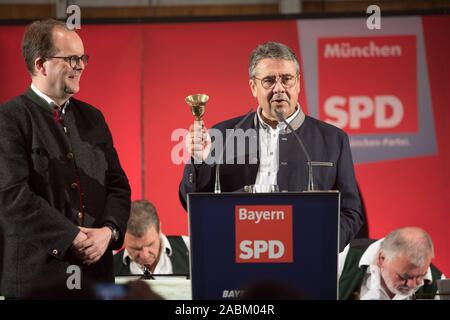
(252, 85)
(298, 84)
(39, 66)
(381, 259)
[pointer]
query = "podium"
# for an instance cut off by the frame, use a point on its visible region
(241, 239)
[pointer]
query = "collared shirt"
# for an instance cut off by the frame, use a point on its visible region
(371, 288)
(268, 152)
(164, 265)
(49, 100)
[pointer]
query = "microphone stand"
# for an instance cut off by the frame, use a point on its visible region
(217, 188)
(308, 158)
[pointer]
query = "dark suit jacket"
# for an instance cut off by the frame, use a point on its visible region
(40, 197)
(324, 142)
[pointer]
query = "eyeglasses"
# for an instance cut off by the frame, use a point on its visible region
(74, 61)
(287, 80)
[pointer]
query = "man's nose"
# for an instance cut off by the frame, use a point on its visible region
(414, 282)
(279, 88)
(143, 253)
(80, 65)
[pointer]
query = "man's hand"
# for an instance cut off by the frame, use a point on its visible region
(77, 244)
(81, 236)
(198, 141)
(94, 246)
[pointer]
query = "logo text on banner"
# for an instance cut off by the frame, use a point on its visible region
(263, 234)
(369, 84)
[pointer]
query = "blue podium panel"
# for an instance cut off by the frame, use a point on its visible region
(238, 239)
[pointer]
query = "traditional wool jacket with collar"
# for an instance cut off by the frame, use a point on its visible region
(58, 171)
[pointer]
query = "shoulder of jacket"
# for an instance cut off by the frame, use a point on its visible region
(325, 128)
(86, 107)
(230, 123)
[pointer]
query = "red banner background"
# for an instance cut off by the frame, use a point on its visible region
(139, 75)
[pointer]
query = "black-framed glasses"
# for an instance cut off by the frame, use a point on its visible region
(287, 80)
(74, 61)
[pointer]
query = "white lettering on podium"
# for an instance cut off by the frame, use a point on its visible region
(253, 249)
(257, 216)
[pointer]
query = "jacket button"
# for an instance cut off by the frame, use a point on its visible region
(74, 185)
(55, 252)
(191, 178)
(80, 215)
(69, 156)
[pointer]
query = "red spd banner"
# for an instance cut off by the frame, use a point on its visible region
(263, 234)
(368, 84)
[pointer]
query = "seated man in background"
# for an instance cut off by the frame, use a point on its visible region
(147, 250)
(394, 268)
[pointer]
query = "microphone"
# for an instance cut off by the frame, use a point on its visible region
(308, 158)
(237, 126)
(147, 274)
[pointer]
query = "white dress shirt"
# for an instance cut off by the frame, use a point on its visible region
(268, 152)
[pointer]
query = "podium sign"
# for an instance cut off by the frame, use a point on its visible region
(239, 239)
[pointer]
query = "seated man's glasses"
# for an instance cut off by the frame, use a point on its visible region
(74, 61)
(269, 82)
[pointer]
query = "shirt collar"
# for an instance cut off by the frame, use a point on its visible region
(280, 125)
(49, 100)
(369, 256)
(166, 245)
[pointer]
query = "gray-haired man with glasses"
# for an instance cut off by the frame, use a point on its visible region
(64, 198)
(274, 79)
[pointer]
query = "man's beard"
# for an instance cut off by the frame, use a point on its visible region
(283, 110)
(401, 290)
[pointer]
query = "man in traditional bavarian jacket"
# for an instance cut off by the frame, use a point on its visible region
(64, 198)
(147, 250)
(397, 267)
